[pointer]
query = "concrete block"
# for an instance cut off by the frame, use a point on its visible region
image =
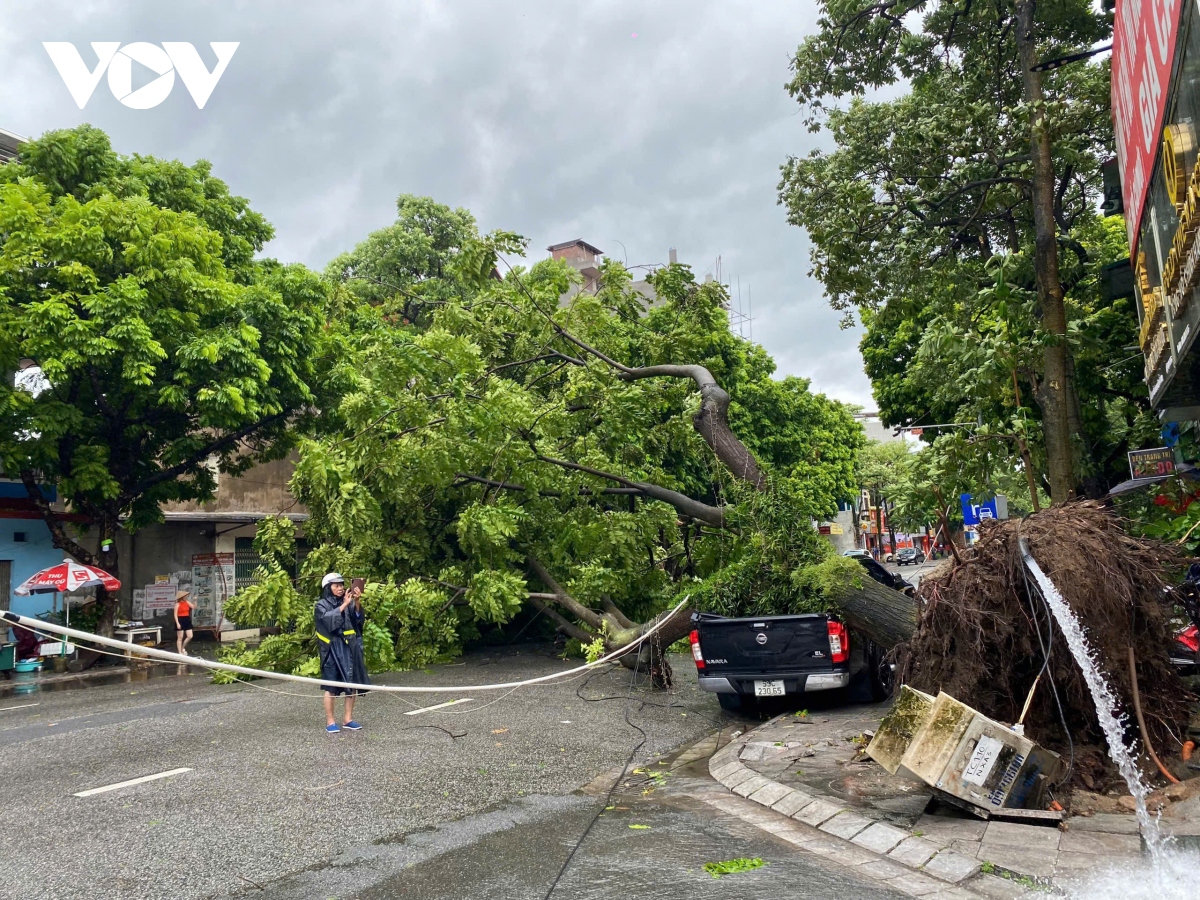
(742, 774)
(849, 855)
(749, 785)
(1110, 822)
(1101, 842)
(914, 852)
(1011, 834)
(817, 812)
(947, 828)
(950, 866)
(846, 824)
(1022, 860)
(722, 772)
(883, 869)
(995, 887)
(880, 837)
(966, 848)
(792, 803)
(954, 893)
(916, 885)
(770, 792)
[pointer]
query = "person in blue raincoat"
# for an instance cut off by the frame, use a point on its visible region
(339, 619)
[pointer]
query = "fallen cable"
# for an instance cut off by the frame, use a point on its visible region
(155, 653)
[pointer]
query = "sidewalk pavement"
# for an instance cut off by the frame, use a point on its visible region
(812, 769)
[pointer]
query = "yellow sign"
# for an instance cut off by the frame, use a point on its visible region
(835, 528)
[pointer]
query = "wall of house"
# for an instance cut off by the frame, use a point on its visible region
(264, 489)
(34, 553)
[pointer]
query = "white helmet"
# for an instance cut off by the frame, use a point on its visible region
(332, 578)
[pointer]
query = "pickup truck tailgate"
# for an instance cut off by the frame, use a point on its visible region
(765, 645)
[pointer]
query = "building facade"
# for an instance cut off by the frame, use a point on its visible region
(1156, 119)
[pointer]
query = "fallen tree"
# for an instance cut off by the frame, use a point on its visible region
(500, 456)
(978, 634)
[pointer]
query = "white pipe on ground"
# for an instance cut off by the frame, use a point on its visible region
(155, 653)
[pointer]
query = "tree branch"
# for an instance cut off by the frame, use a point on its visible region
(562, 598)
(684, 505)
(61, 540)
(567, 628)
(173, 472)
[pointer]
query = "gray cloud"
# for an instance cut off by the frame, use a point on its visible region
(550, 119)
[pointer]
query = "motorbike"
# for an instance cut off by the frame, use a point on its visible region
(1185, 645)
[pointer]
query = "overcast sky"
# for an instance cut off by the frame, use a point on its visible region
(637, 126)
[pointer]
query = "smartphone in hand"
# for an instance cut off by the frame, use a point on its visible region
(358, 584)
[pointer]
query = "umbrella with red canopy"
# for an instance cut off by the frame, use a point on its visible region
(67, 576)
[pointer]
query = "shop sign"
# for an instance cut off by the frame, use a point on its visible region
(1143, 49)
(1152, 463)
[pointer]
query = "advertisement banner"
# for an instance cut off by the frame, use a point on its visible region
(159, 596)
(212, 585)
(1143, 50)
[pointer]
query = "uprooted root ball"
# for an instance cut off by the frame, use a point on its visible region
(977, 637)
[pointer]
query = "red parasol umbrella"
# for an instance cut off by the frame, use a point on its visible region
(67, 576)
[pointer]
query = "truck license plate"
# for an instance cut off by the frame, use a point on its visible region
(768, 688)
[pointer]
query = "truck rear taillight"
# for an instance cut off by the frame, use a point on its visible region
(839, 642)
(697, 654)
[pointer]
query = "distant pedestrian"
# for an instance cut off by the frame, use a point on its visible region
(183, 623)
(339, 620)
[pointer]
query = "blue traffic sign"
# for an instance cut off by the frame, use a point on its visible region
(974, 513)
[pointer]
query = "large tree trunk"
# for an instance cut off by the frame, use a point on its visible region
(1057, 389)
(883, 614)
(107, 560)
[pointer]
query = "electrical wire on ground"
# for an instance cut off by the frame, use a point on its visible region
(612, 790)
(1047, 645)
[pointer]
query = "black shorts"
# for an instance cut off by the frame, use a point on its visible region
(185, 623)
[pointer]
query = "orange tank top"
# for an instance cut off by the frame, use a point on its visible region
(183, 608)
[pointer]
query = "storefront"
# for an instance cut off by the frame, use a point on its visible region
(1156, 116)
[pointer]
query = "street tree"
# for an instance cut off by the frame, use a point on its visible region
(880, 466)
(972, 155)
(595, 461)
(167, 351)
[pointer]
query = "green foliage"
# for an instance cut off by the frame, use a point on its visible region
(934, 252)
(170, 351)
(733, 866)
(448, 461)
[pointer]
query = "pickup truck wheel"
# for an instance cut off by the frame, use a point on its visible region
(883, 675)
(736, 702)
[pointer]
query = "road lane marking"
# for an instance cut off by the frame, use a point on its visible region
(22, 706)
(414, 712)
(131, 782)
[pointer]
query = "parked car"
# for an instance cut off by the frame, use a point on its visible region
(857, 554)
(883, 576)
(748, 659)
(909, 556)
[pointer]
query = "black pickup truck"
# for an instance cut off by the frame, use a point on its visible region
(745, 660)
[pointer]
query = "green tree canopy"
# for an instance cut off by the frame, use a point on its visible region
(967, 170)
(168, 350)
(598, 460)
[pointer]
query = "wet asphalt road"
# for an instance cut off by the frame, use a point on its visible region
(484, 804)
(518, 852)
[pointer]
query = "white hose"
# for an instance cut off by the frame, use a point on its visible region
(154, 652)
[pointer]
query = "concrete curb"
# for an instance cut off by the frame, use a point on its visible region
(828, 814)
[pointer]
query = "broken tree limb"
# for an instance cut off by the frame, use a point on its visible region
(684, 505)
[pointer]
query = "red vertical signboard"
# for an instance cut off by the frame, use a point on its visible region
(1143, 50)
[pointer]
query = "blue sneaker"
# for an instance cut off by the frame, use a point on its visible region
(332, 729)
(352, 726)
